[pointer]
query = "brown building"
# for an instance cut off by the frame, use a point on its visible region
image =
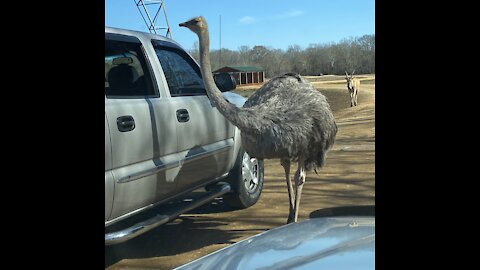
(244, 74)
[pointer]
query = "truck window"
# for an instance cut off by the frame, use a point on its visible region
(126, 71)
(182, 73)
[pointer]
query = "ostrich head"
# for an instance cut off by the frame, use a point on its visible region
(199, 26)
(196, 25)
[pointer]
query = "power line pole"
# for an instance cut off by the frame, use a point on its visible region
(220, 58)
(144, 11)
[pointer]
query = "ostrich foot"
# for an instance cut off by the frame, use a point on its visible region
(291, 218)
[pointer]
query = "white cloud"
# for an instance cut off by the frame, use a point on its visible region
(247, 20)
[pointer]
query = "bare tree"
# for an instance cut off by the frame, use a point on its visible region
(332, 58)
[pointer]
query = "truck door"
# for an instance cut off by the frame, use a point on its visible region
(205, 137)
(143, 139)
(109, 181)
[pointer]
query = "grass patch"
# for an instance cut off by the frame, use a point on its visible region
(372, 81)
(325, 78)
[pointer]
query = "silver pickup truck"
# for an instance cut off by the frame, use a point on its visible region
(164, 138)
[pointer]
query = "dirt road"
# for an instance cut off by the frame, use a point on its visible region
(348, 179)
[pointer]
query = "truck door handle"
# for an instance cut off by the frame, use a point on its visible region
(125, 123)
(182, 115)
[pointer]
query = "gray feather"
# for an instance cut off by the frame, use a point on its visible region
(288, 118)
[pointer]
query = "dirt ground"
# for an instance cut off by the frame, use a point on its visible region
(348, 179)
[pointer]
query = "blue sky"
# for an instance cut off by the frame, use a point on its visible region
(271, 23)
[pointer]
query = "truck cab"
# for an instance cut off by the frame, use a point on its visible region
(163, 136)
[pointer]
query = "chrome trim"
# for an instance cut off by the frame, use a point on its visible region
(125, 216)
(206, 154)
(144, 226)
(135, 230)
(148, 172)
(250, 172)
(162, 167)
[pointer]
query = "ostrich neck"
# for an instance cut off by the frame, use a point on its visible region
(230, 111)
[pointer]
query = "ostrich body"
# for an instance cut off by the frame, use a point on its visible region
(287, 118)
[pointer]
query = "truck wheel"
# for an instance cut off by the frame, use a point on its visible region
(246, 180)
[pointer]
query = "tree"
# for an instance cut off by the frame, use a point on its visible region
(333, 58)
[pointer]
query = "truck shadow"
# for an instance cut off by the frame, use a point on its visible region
(181, 235)
(184, 234)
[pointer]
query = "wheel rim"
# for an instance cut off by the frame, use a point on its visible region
(250, 173)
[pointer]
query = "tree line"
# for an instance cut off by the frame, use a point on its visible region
(355, 53)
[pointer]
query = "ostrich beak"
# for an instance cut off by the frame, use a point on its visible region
(187, 23)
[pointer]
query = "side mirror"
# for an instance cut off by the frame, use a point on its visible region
(224, 81)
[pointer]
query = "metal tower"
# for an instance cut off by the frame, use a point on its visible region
(144, 11)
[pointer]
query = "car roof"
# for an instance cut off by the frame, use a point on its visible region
(144, 36)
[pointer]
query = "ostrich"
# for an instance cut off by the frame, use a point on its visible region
(287, 118)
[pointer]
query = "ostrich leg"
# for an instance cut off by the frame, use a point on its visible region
(299, 181)
(286, 166)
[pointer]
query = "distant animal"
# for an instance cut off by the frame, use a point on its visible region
(287, 118)
(353, 85)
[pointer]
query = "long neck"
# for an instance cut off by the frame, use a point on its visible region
(230, 111)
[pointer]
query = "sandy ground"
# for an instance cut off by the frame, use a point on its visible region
(348, 179)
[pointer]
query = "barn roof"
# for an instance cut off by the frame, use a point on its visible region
(241, 68)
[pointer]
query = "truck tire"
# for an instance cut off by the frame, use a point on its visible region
(246, 180)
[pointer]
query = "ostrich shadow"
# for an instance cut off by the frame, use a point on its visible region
(356, 210)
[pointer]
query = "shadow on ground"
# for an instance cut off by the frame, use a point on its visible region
(357, 210)
(182, 235)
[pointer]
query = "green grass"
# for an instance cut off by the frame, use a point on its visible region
(336, 80)
(324, 78)
(372, 81)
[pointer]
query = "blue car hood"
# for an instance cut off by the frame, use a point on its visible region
(320, 243)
